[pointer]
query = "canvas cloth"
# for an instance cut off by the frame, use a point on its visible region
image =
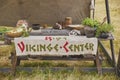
(43, 11)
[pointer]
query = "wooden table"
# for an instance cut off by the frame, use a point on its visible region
(96, 58)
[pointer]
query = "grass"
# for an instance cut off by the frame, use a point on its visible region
(37, 74)
(59, 75)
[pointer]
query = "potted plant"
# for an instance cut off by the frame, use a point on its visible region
(90, 26)
(104, 30)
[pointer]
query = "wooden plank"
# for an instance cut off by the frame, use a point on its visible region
(72, 57)
(107, 11)
(113, 55)
(85, 69)
(106, 54)
(13, 61)
(99, 65)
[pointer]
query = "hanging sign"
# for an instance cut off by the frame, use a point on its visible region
(55, 45)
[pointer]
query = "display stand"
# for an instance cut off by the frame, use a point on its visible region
(15, 60)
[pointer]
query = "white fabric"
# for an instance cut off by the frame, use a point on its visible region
(43, 11)
(92, 6)
(55, 45)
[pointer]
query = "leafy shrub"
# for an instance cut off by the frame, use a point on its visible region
(105, 28)
(90, 22)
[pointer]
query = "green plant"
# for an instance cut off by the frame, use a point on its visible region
(104, 28)
(90, 22)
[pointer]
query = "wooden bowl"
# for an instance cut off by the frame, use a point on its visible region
(13, 35)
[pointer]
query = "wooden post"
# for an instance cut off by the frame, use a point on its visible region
(7, 41)
(13, 61)
(118, 65)
(98, 64)
(107, 11)
(113, 56)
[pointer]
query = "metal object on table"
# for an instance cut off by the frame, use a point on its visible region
(35, 26)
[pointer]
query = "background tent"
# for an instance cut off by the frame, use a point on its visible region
(43, 11)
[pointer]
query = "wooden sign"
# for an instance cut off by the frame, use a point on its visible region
(55, 45)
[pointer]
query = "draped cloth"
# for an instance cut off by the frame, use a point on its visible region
(43, 11)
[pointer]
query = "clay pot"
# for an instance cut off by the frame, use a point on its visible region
(35, 26)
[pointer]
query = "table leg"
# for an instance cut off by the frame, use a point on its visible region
(113, 55)
(98, 64)
(13, 61)
(109, 59)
